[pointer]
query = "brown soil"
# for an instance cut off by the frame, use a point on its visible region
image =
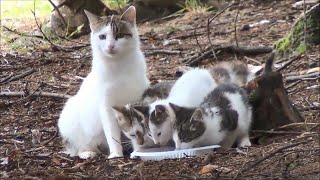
(22, 157)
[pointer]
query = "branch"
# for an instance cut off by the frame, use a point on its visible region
(314, 75)
(195, 60)
(16, 77)
(155, 52)
(272, 154)
(57, 9)
(37, 94)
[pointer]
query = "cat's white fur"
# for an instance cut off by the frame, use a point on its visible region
(116, 78)
(188, 91)
(213, 135)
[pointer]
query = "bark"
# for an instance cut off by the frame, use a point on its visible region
(271, 105)
(74, 16)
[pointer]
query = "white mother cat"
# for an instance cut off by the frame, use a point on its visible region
(118, 77)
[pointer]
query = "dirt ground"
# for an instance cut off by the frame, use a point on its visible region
(30, 146)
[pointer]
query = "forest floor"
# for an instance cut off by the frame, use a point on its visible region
(30, 145)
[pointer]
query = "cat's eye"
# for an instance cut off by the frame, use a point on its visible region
(102, 36)
(132, 135)
(159, 134)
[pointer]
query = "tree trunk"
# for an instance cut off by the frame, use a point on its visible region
(271, 105)
(74, 16)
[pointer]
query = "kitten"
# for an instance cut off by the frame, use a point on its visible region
(160, 90)
(132, 122)
(118, 77)
(189, 91)
(223, 118)
(235, 72)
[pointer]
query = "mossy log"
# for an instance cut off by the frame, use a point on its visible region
(307, 26)
(271, 105)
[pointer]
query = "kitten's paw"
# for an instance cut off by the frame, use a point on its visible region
(87, 154)
(115, 155)
(245, 142)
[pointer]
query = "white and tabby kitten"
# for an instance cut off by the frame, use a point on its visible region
(132, 122)
(189, 91)
(223, 118)
(118, 77)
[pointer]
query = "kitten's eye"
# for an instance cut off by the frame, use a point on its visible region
(159, 134)
(132, 135)
(102, 36)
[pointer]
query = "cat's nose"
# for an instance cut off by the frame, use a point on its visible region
(111, 46)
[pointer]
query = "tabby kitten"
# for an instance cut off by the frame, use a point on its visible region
(223, 118)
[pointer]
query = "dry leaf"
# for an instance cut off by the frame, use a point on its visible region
(208, 169)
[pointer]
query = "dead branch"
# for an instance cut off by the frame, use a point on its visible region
(208, 27)
(195, 60)
(36, 94)
(17, 77)
(278, 132)
(167, 52)
(59, 13)
(51, 139)
(314, 75)
(296, 124)
(272, 154)
(287, 63)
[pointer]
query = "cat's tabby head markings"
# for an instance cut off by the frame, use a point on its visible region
(114, 35)
(131, 122)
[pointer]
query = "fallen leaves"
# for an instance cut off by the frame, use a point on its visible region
(211, 168)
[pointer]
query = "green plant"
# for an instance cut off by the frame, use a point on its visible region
(116, 4)
(194, 6)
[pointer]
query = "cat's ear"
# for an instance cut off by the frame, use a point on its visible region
(175, 108)
(142, 109)
(93, 19)
(129, 15)
(119, 111)
(197, 115)
(121, 114)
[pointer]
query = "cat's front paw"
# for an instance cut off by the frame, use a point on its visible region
(115, 155)
(87, 154)
(245, 142)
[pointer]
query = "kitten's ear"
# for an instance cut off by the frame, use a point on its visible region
(93, 19)
(197, 115)
(129, 15)
(142, 109)
(175, 107)
(119, 111)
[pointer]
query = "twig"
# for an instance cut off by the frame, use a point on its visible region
(315, 75)
(195, 60)
(155, 52)
(51, 139)
(235, 27)
(272, 154)
(278, 132)
(37, 94)
(208, 26)
(16, 77)
(287, 63)
(296, 124)
(310, 108)
(196, 37)
(57, 9)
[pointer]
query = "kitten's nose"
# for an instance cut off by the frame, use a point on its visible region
(111, 46)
